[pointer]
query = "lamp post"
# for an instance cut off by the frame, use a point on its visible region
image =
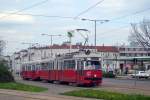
(95, 26)
(70, 35)
(135, 68)
(51, 36)
(116, 58)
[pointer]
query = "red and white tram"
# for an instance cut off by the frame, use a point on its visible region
(76, 68)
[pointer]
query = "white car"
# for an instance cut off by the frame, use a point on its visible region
(141, 74)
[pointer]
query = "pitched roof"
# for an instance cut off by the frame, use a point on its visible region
(65, 46)
(107, 49)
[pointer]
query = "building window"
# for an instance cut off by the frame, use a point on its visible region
(128, 49)
(122, 54)
(122, 49)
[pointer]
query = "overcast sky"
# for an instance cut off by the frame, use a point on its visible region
(15, 29)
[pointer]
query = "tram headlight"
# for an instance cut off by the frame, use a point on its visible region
(95, 75)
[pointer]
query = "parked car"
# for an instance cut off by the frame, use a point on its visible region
(140, 74)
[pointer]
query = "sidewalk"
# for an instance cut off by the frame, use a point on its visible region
(124, 77)
(38, 96)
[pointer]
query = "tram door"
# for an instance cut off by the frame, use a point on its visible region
(80, 67)
(56, 70)
(33, 70)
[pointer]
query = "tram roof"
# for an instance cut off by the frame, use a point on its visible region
(38, 61)
(83, 55)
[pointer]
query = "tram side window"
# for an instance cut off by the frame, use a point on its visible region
(57, 66)
(37, 67)
(65, 65)
(44, 66)
(69, 64)
(80, 65)
(33, 67)
(23, 68)
(50, 65)
(72, 64)
(28, 67)
(62, 64)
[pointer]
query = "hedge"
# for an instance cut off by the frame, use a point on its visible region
(5, 74)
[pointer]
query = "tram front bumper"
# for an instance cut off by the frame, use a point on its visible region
(93, 79)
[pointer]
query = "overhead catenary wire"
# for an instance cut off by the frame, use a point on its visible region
(93, 6)
(66, 17)
(134, 13)
(69, 17)
(115, 29)
(42, 15)
(26, 8)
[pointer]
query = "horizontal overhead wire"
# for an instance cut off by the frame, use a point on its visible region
(23, 9)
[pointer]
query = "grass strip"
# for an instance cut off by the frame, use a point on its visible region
(101, 94)
(21, 87)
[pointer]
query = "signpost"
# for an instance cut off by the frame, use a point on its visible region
(135, 68)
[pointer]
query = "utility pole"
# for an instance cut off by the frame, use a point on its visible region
(51, 37)
(30, 45)
(95, 32)
(95, 27)
(135, 68)
(70, 35)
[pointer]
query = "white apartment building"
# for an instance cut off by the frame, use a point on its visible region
(128, 51)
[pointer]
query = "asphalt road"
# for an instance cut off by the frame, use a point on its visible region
(52, 88)
(142, 86)
(117, 85)
(141, 83)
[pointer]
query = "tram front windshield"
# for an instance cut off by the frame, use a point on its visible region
(92, 65)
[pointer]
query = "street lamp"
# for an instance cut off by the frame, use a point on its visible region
(95, 22)
(51, 36)
(116, 58)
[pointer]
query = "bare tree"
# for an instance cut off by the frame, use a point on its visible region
(2, 45)
(140, 33)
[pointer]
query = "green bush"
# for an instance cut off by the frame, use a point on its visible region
(5, 74)
(109, 75)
